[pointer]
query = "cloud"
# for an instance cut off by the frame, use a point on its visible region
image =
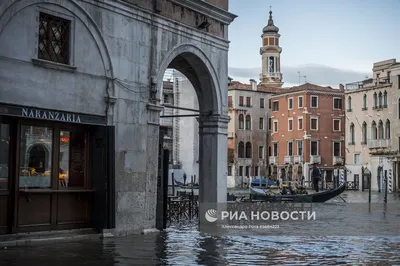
(316, 74)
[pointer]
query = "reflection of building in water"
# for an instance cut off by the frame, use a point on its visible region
(182, 132)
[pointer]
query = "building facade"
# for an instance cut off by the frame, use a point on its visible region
(248, 131)
(80, 108)
(307, 127)
(372, 127)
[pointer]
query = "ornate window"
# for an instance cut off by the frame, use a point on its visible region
(375, 100)
(248, 150)
(387, 129)
(241, 121)
(352, 134)
(54, 39)
(380, 99)
(364, 133)
(248, 122)
(374, 132)
(380, 130)
(365, 101)
(241, 150)
(385, 99)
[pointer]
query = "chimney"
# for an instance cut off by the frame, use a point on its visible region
(253, 84)
(341, 86)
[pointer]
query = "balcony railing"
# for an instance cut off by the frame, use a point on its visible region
(271, 75)
(379, 143)
(315, 159)
(298, 159)
(337, 160)
(368, 83)
(273, 160)
(288, 159)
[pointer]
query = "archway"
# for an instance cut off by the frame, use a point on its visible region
(210, 115)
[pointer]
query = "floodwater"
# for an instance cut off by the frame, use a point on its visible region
(183, 244)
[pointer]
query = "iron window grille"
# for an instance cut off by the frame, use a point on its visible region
(54, 35)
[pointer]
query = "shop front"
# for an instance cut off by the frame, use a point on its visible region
(56, 170)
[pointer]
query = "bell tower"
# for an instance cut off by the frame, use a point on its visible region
(270, 53)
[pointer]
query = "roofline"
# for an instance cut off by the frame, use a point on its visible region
(308, 92)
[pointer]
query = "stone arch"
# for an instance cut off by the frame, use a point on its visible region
(79, 12)
(196, 66)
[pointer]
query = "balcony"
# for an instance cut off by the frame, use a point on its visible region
(315, 159)
(298, 159)
(288, 159)
(273, 159)
(337, 160)
(378, 143)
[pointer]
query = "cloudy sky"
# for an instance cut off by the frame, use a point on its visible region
(329, 42)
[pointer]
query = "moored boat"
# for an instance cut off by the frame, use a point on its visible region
(322, 196)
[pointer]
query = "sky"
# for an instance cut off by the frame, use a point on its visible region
(328, 41)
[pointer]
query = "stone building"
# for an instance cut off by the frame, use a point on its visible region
(86, 76)
(248, 131)
(307, 127)
(372, 127)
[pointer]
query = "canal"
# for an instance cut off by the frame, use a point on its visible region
(183, 244)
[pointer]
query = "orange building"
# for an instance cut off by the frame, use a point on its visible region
(307, 127)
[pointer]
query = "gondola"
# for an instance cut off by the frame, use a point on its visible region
(187, 186)
(322, 196)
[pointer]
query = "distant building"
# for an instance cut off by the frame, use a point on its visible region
(372, 135)
(307, 127)
(182, 138)
(248, 132)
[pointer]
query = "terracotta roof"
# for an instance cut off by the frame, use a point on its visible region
(236, 85)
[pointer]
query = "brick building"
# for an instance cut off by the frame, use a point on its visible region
(307, 127)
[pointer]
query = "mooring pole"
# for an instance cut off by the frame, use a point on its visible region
(369, 190)
(386, 187)
(173, 184)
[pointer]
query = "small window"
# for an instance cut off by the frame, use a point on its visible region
(314, 101)
(275, 149)
(256, 171)
(229, 170)
(314, 148)
(54, 39)
(337, 103)
(300, 102)
(261, 123)
(248, 122)
(260, 152)
(247, 171)
(290, 103)
(241, 121)
(290, 148)
(262, 103)
(248, 101)
(314, 124)
(300, 147)
(275, 129)
(300, 123)
(336, 149)
(357, 159)
(336, 124)
(230, 101)
(269, 123)
(241, 101)
(240, 170)
(290, 124)
(276, 106)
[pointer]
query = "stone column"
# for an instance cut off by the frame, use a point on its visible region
(213, 158)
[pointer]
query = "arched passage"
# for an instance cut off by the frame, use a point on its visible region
(212, 121)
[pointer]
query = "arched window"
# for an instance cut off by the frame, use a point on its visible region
(385, 99)
(365, 101)
(375, 100)
(248, 150)
(380, 99)
(380, 130)
(373, 130)
(349, 103)
(364, 133)
(352, 134)
(241, 150)
(248, 122)
(387, 129)
(241, 121)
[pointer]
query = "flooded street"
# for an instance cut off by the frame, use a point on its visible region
(183, 244)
